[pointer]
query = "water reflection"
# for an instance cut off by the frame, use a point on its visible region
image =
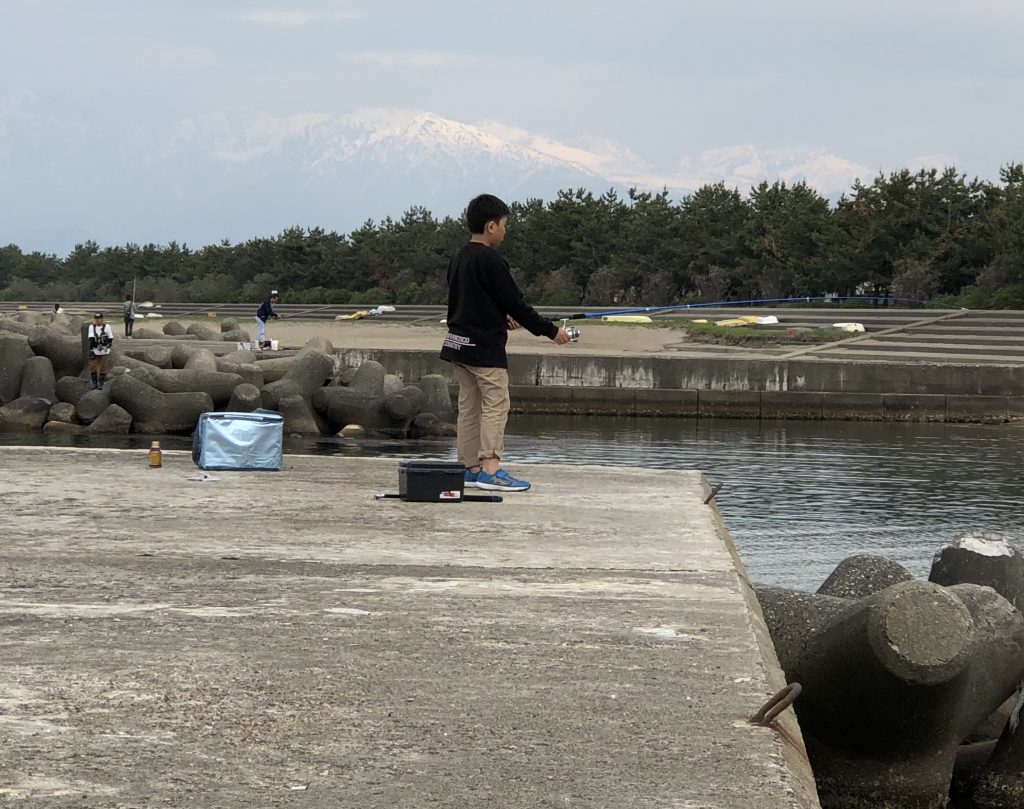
(801, 496)
(798, 496)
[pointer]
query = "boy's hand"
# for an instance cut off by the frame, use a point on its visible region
(561, 338)
(510, 323)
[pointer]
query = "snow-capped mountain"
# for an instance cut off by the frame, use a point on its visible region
(241, 174)
(741, 166)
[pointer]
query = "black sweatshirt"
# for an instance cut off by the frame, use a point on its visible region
(481, 293)
(266, 310)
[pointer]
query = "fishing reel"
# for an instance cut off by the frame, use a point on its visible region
(572, 331)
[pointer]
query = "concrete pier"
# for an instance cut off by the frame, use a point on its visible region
(280, 639)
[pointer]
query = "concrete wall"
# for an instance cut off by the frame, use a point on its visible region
(800, 776)
(741, 388)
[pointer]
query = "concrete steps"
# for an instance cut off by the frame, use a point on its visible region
(944, 349)
(959, 358)
(965, 339)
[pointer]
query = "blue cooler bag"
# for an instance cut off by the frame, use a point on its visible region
(241, 441)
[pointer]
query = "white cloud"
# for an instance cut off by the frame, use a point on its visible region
(416, 59)
(164, 56)
(14, 103)
(382, 117)
(293, 18)
(246, 136)
(1010, 8)
(272, 17)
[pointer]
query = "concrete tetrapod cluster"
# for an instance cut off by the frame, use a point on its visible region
(911, 689)
(163, 388)
(370, 400)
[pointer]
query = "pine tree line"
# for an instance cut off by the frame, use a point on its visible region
(927, 235)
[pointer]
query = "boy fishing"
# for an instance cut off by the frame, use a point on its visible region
(484, 304)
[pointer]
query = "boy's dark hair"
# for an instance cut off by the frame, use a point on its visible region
(483, 209)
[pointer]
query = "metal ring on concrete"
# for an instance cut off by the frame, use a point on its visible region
(714, 490)
(776, 705)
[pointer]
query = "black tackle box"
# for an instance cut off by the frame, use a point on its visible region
(431, 481)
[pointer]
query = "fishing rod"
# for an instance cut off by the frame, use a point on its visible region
(640, 310)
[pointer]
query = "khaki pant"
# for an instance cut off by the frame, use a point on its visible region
(98, 364)
(483, 412)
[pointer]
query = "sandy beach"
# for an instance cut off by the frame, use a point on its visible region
(596, 338)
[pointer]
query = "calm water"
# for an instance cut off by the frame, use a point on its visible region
(798, 497)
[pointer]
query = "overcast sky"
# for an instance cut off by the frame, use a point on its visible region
(882, 83)
(874, 81)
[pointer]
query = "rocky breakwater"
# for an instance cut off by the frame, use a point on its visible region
(367, 400)
(41, 361)
(164, 388)
(911, 690)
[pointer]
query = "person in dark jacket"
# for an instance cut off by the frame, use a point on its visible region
(130, 311)
(263, 314)
(484, 304)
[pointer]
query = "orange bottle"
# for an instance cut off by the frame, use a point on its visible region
(155, 456)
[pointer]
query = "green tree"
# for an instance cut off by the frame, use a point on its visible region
(788, 233)
(10, 263)
(653, 238)
(713, 221)
(916, 234)
(1001, 281)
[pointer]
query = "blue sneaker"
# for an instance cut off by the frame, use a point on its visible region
(469, 481)
(500, 481)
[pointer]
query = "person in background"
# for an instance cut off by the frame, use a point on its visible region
(263, 314)
(484, 304)
(101, 338)
(58, 309)
(129, 315)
